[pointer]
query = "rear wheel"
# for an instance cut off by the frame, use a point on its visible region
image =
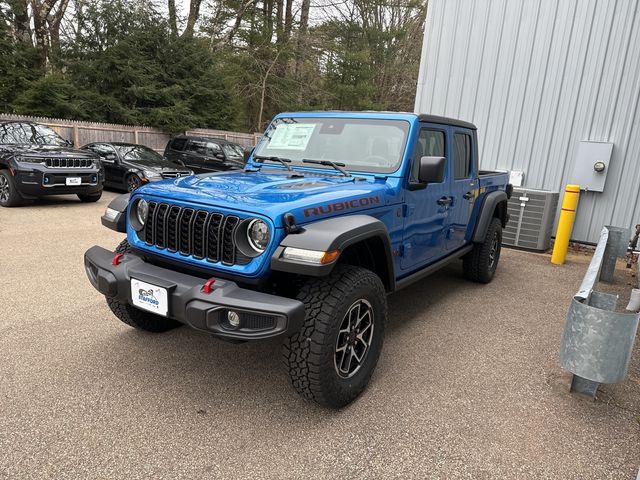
(9, 195)
(480, 264)
(332, 358)
(134, 317)
(132, 182)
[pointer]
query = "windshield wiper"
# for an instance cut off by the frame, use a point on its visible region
(329, 163)
(284, 161)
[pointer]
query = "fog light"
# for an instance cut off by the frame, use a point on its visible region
(233, 318)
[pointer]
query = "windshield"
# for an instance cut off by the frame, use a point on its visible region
(29, 133)
(232, 150)
(369, 145)
(140, 154)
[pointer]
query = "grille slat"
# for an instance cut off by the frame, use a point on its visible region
(185, 234)
(213, 236)
(149, 226)
(198, 233)
(228, 252)
(172, 223)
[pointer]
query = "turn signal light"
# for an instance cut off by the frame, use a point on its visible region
(310, 256)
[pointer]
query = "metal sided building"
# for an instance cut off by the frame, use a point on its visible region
(553, 86)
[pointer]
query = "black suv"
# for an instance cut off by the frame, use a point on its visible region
(35, 161)
(129, 165)
(203, 154)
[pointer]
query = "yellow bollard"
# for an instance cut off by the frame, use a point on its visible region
(565, 224)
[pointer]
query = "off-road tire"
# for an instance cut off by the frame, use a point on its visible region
(134, 317)
(309, 355)
(8, 186)
(89, 198)
(480, 264)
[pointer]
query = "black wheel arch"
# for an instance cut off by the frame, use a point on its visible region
(361, 240)
(119, 204)
(493, 206)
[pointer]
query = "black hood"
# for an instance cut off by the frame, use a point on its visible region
(53, 151)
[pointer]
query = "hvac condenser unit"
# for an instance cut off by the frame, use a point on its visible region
(531, 216)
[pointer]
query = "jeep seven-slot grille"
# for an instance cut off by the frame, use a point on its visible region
(198, 233)
(68, 162)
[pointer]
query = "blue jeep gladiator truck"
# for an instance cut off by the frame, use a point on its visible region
(332, 212)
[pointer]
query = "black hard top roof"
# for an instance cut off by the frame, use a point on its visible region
(424, 117)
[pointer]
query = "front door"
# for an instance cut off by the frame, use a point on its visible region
(426, 208)
(113, 171)
(464, 190)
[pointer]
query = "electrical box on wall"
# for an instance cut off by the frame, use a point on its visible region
(591, 165)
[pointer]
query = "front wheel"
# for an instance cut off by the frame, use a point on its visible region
(90, 197)
(332, 358)
(480, 264)
(9, 196)
(132, 182)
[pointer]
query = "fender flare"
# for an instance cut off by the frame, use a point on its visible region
(491, 202)
(337, 233)
(119, 223)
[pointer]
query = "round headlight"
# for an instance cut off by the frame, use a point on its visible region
(258, 235)
(142, 209)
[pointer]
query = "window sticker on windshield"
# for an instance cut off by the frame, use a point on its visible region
(292, 136)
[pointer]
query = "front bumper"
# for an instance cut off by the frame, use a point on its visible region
(262, 315)
(38, 181)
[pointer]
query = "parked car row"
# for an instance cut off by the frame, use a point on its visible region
(35, 162)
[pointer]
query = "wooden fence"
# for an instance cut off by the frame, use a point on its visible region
(81, 132)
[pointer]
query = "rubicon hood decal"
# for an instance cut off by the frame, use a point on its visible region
(355, 203)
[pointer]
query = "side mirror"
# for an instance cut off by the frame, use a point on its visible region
(219, 156)
(432, 169)
(109, 158)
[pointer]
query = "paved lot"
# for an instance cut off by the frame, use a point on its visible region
(468, 384)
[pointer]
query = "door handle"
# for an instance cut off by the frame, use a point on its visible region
(444, 201)
(467, 195)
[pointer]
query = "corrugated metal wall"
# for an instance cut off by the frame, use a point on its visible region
(538, 77)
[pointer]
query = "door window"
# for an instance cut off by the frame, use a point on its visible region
(178, 144)
(461, 155)
(102, 149)
(430, 144)
(197, 146)
(213, 149)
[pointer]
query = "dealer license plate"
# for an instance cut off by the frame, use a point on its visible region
(149, 297)
(74, 181)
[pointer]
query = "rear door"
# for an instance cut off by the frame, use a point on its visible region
(426, 214)
(464, 187)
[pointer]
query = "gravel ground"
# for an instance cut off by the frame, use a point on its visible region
(468, 385)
